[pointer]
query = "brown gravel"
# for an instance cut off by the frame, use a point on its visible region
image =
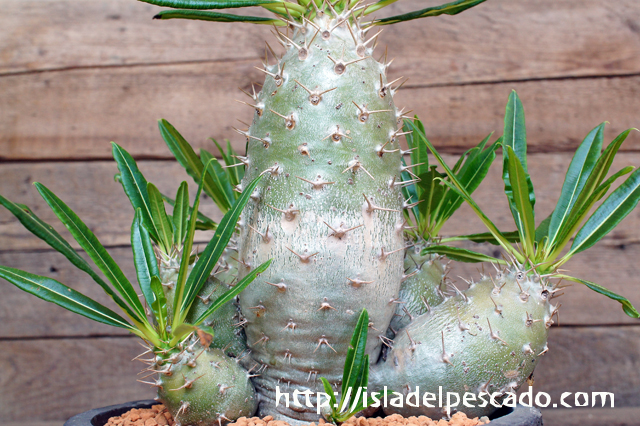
(154, 416)
(159, 416)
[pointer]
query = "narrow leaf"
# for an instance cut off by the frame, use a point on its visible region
(210, 4)
(204, 223)
(523, 211)
(219, 177)
(180, 213)
(233, 292)
(90, 244)
(355, 354)
(159, 216)
(217, 17)
(460, 254)
(144, 258)
(187, 157)
(485, 237)
(452, 8)
(615, 208)
(214, 249)
(135, 186)
(159, 305)
(55, 292)
(627, 307)
(579, 170)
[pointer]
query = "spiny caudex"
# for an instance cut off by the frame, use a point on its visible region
(489, 338)
(198, 382)
(325, 136)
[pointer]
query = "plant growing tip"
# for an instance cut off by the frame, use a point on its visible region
(150, 223)
(355, 377)
(541, 248)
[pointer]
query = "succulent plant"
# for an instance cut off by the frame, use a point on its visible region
(199, 383)
(489, 338)
(325, 134)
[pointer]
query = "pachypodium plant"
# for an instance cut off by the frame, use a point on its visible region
(489, 338)
(325, 136)
(198, 382)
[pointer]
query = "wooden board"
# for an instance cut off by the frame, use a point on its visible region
(500, 40)
(90, 190)
(619, 416)
(24, 316)
(36, 375)
(74, 114)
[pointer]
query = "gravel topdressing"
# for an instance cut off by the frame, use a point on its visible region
(159, 416)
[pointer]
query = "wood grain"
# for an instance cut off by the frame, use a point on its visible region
(45, 380)
(619, 416)
(90, 190)
(24, 316)
(74, 114)
(500, 40)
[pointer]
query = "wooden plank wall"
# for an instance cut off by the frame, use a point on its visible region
(75, 74)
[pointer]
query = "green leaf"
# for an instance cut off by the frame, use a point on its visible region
(615, 208)
(45, 232)
(185, 260)
(217, 17)
(515, 136)
(188, 159)
(627, 307)
(219, 176)
(419, 155)
(485, 237)
(470, 176)
(143, 257)
(543, 229)
(214, 249)
(96, 251)
(159, 304)
(204, 223)
(451, 8)
(135, 186)
(432, 194)
(160, 219)
(55, 292)
(180, 213)
(460, 255)
(355, 354)
(233, 292)
(579, 170)
(523, 211)
(209, 4)
(456, 186)
(329, 391)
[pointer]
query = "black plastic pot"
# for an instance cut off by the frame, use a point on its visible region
(505, 416)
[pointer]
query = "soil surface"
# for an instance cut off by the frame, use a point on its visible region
(159, 416)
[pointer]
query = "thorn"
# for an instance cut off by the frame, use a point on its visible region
(337, 135)
(281, 286)
(323, 341)
(459, 292)
(372, 207)
(461, 325)
(266, 238)
(414, 345)
(315, 96)
(357, 283)
(265, 142)
(545, 350)
(287, 353)
(325, 305)
(341, 231)
(386, 341)
(340, 66)
(289, 122)
(292, 325)
(183, 408)
(354, 165)
(264, 339)
(530, 321)
(259, 110)
(303, 258)
(493, 335)
(318, 184)
(497, 309)
(364, 112)
(444, 357)
(425, 302)
(188, 384)
(289, 214)
(383, 255)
